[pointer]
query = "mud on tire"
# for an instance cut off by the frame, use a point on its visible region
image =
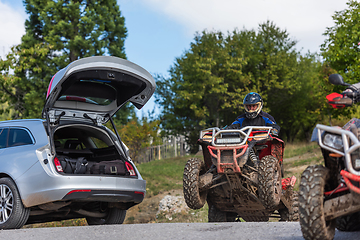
(269, 182)
(192, 171)
(256, 218)
(349, 222)
(311, 204)
(292, 214)
(216, 215)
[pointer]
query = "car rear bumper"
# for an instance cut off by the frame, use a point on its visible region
(38, 187)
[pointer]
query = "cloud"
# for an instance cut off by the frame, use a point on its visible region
(305, 20)
(11, 27)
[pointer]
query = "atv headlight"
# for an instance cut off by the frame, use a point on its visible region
(333, 141)
(228, 140)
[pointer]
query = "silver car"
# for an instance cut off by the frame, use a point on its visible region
(70, 165)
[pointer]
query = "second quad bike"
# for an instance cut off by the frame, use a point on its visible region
(329, 195)
(240, 177)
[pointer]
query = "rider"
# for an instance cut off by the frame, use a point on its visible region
(253, 115)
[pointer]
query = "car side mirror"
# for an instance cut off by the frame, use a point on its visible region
(337, 79)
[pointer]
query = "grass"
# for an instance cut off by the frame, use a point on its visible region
(296, 149)
(163, 175)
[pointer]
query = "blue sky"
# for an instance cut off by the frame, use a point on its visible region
(161, 30)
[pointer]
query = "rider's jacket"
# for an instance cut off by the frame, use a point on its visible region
(262, 119)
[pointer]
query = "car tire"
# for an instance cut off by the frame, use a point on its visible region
(269, 182)
(311, 204)
(114, 216)
(13, 214)
(192, 195)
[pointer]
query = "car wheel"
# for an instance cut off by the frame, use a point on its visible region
(194, 198)
(311, 204)
(269, 182)
(114, 216)
(13, 214)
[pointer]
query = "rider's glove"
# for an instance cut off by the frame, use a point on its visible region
(353, 92)
(274, 131)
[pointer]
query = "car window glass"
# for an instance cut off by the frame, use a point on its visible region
(3, 137)
(99, 143)
(69, 143)
(18, 137)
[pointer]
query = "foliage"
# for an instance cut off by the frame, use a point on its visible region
(341, 48)
(207, 84)
(138, 134)
(57, 33)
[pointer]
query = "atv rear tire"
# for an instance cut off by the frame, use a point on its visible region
(269, 182)
(192, 171)
(348, 223)
(113, 216)
(216, 215)
(311, 204)
(292, 214)
(256, 218)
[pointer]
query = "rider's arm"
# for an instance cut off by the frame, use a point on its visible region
(353, 92)
(270, 121)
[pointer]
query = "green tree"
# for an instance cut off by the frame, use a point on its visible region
(341, 47)
(138, 134)
(57, 33)
(208, 83)
(194, 96)
(341, 50)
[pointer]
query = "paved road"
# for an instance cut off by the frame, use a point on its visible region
(176, 231)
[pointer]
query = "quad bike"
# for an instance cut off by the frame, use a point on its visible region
(329, 195)
(240, 177)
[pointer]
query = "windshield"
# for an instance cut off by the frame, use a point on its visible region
(94, 91)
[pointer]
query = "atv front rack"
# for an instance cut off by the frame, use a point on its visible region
(245, 134)
(237, 143)
(350, 173)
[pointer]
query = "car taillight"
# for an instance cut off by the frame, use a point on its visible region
(130, 168)
(58, 165)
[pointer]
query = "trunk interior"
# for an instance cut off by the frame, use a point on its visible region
(85, 149)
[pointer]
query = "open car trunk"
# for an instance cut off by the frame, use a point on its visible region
(87, 149)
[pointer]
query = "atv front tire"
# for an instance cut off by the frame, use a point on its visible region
(192, 171)
(311, 204)
(269, 182)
